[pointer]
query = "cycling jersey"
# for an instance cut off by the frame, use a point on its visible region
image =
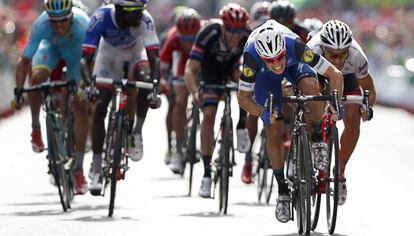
(258, 78)
(172, 54)
(118, 45)
(354, 68)
(46, 48)
(217, 61)
(301, 30)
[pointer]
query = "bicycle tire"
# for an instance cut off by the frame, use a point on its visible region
(315, 209)
(305, 180)
(333, 179)
(53, 157)
(192, 148)
(225, 168)
(260, 170)
(269, 180)
(117, 152)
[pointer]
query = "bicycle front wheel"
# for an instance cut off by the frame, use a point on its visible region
(305, 181)
(115, 165)
(332, 179)
(261, 176)
(225, 165)
(56, 164)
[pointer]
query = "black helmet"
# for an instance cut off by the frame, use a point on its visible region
(281, 10)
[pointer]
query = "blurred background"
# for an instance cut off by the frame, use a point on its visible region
(384, 29)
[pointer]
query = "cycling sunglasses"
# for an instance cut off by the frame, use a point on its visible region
(235, 30)
(59, 21)
(134, 9)
(333, 55)
(275, 59)
(187, 37)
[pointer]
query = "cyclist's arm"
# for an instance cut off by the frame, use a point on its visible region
(247, 84)
(154, 60)
(247, 103)
(22, 70)
(321, 65)
(367, 83)
(192, 68)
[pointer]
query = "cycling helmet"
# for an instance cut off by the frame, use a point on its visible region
(234, 16)
(58, 9)
(131, 3)
(177, 11)
(188, 22)
(336, 34)
(269, 41)
(281, 10)
(313, 24)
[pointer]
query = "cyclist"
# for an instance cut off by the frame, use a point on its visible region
(56, 36)
(284, 12)
(128, 35)
(216, 54)
(166, 86)
(336, 43)
(271, 54)
(259, 13)
(174, 55)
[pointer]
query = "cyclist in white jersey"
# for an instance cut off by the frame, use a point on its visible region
(122, 32)
(336, 44)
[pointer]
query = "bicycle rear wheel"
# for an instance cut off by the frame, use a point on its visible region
(116, 159)
(225, 165)
(56, 164)
(305, 181)
(192, 147)
(332, 179)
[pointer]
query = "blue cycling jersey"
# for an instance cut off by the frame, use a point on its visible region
(46, 48)
(258, 78)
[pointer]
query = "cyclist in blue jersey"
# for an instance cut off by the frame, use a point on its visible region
(123, 32)
(270, 56)
(56, 34)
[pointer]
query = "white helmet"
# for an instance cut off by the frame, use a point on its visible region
(130, 3)
(269, 41)
(313, 23)
(336, 34)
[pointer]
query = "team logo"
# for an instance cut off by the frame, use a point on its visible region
(247, 72)
(308, 55)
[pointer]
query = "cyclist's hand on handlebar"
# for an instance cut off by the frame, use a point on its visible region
(18, 101)
(366, 116)
(92, 93)
(154, 100)
(267, 118)
(196, 98)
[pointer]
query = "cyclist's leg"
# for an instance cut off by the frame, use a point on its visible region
(179, 112)
(251, 125)
(209, 109)
(306, 79)
(141, 72)
(44, 61)
(169, 118)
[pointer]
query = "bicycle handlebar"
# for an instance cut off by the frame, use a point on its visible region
(230, 87)
(48, 85)
(125, 83)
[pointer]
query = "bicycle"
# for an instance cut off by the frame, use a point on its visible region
(328, 181)
(191, 152)
(224, 163)
(59, 134)
(115, 161)
(300, 180)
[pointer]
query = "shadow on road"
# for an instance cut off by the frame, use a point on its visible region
(100, 219)
(207, 214)
(252, 204)
(312, 234)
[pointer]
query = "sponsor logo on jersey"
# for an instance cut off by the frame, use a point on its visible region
(247, 72)
(95, 19)
(308, 55)
(148, 23)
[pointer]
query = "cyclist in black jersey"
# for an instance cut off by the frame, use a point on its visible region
(284, 12)
(214, 58)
